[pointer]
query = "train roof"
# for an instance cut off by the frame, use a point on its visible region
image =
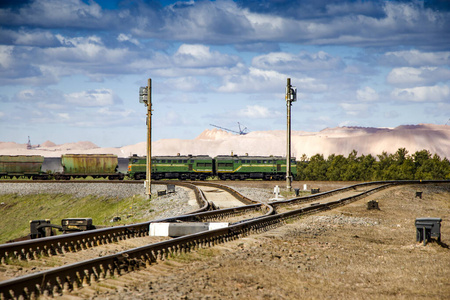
(251, 157)
(200, 157)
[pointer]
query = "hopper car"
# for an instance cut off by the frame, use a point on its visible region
(28, 166)
(93, 165)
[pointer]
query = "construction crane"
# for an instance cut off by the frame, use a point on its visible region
(240, 132)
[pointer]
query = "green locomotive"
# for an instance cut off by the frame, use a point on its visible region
(252, 167)
(172, 167)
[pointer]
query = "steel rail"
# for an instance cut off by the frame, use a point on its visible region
(31, 249)
(69, 277)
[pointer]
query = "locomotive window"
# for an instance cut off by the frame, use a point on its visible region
(180, 161)
(192, 162)
(163, 161)
(135, 161)
(185, 161)
(258, 161)
(225, 165)
(264, 161)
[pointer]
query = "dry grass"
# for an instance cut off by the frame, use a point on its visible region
(349, 253)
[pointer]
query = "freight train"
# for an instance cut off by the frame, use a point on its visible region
(180, 167)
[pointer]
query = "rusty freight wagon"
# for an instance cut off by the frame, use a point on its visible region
(93, 165)
(28, 166)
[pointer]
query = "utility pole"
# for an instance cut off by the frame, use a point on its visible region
(291, 96)
(145, 96)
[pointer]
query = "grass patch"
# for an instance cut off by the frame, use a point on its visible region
(17, 211)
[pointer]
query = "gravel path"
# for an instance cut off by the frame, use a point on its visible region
(76, 189)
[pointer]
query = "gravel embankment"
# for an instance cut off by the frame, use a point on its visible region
(258, 194)
(76, 189)
(169, 205)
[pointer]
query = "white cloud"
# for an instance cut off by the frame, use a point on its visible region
(201, 56)
(6, 56)
(127, 38)
(282, 61)
(97, 97)
(437, 93)
(257, 112)
(408, 77)
(257, 80)
(416, 58)
(367, 94)
(86, 49)
(187, 84)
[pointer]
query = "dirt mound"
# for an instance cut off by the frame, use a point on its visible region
(339, 140)
(48, 144)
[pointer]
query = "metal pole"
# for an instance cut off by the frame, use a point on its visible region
(148, 185)
(288, 136)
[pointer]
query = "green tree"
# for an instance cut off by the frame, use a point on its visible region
(316, 168)
(337, 165)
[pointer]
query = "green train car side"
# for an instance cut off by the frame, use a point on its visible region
(172, 167)
(22, 166)
(252, 167)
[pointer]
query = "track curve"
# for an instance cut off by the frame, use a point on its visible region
(69, 277)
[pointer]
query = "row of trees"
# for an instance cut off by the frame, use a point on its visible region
(399, 166)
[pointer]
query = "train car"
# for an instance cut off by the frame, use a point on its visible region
(94, 165)
(29, 166)
(252, 167)
(172, 167)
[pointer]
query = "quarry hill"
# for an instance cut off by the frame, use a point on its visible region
(338, 140)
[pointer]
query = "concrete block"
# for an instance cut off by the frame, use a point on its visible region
(181, 229)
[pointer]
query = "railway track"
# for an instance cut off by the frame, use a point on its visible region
(69, 277)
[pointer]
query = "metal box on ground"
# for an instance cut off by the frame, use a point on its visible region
(76, 224)
(36, 230)
(372, 205)
(315, 191)
(426, 228)
(171, 188)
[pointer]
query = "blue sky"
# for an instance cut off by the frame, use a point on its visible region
(71, 70)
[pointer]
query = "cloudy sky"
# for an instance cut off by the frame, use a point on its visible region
(70, 70)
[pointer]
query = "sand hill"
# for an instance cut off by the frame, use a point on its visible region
(339, 140)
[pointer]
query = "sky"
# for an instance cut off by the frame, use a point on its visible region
(70, 70)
